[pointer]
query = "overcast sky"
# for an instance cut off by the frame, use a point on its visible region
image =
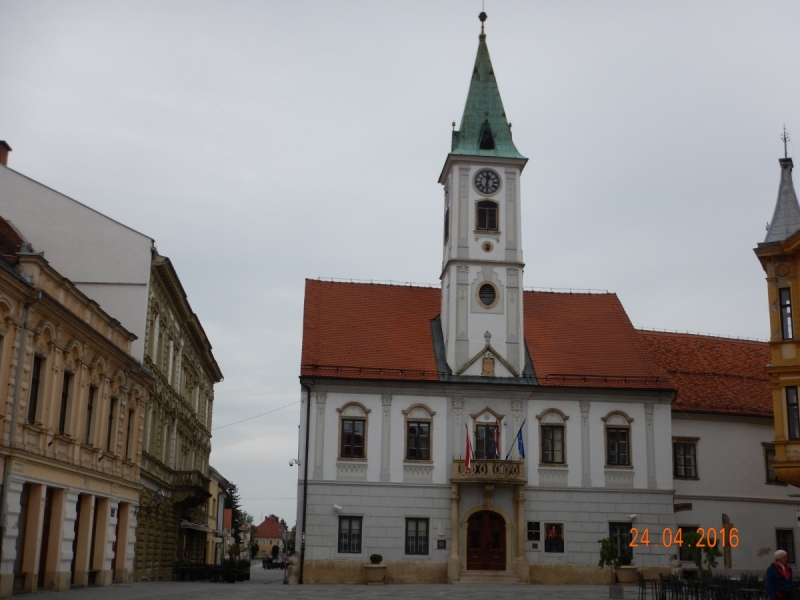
(262, 143)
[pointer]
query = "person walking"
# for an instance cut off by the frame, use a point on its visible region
(778, 579)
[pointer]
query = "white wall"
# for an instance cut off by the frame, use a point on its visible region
(84, 246)
(732, 481)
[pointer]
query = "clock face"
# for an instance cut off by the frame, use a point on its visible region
(487, 182)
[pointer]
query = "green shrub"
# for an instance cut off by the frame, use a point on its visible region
(375, 559)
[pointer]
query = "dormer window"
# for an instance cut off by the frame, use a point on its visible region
(487, 216)
(487, 141)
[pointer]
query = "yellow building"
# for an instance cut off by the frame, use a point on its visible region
(173, 519)
(72, 428)
(215, 538)
(780, 257)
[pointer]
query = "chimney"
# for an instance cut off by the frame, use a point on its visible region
(4, 150)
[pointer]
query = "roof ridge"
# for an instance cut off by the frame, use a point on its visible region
(384, 282)
(701, 334)
(567, 291)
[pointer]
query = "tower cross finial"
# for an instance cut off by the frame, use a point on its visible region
(786, 139)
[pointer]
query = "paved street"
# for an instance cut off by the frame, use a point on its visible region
(263, 583)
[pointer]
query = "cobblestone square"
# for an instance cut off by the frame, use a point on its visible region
(270, 584)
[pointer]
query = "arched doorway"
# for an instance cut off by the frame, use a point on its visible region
(486, 542)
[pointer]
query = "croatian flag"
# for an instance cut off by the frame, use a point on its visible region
(520, 444)
(468, 459)
(496, 440)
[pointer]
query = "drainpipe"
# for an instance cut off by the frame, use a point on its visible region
(305, 482)
(13, 423)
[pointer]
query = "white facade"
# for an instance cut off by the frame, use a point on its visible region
(385, 488)
(732, 482)
(106, 260)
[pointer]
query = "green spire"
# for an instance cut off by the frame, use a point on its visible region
(484, 128)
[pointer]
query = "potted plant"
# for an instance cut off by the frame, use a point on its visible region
(376, 570)
(704, 557)
(610, 558)
(625, 572)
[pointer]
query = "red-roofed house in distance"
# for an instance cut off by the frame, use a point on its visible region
(576, 425)
(268, 534)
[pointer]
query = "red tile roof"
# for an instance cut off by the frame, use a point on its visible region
(270, 528)
(586, 340)
(369, 331)
(714, 375)
(9, 239)
(376, 331)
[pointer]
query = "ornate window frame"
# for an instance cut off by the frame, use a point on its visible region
(552, 417)
(617, 419)
(418, 413)
(354, 411)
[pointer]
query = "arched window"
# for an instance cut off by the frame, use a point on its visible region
(446, 225)
(487, 216)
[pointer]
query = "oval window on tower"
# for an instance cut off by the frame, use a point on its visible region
(487, 295)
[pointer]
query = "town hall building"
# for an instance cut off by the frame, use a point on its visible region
(568, 413)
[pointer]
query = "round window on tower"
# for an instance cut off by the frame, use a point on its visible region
(487, 294)
(487, 246)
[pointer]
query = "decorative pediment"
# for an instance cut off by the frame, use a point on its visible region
(552, 415)
(418, 411)
(353, 409)
(486, 415)
(488, 355)
(617, 417)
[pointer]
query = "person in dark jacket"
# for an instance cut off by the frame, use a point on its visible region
(778, 579)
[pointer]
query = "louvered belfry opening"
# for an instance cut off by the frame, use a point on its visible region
(487, 141)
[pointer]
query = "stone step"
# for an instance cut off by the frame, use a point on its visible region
(487, 577)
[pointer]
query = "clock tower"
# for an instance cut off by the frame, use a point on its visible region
(482, 260)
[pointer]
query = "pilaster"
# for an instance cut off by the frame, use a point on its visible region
(33, 536)
(319, 441)
(462, 317)
(11, 530)
(103, 538)
(458, 434)
(520, 564)
(586, 465)
(386, 418)
(652, 482)
(454, 562)
(83, 545)
(54, 573)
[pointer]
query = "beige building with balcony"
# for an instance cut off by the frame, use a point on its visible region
(178, 440)
(72, 430)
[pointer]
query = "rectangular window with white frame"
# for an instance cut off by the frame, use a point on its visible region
(417, 536)
(484, 441)
(618, 446)
(350, 535)
(684, 458)
(784, 539)
(418, 445)
(553, 444)
(353, 438)
(769, 458)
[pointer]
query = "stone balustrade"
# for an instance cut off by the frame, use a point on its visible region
(490, 471)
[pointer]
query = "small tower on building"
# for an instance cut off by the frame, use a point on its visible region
(779, 255)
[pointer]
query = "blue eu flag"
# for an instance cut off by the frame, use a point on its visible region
(520, 444)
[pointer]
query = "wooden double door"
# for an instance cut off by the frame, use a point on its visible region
(486, 542)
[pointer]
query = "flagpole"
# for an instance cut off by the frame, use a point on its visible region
(516, 437)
